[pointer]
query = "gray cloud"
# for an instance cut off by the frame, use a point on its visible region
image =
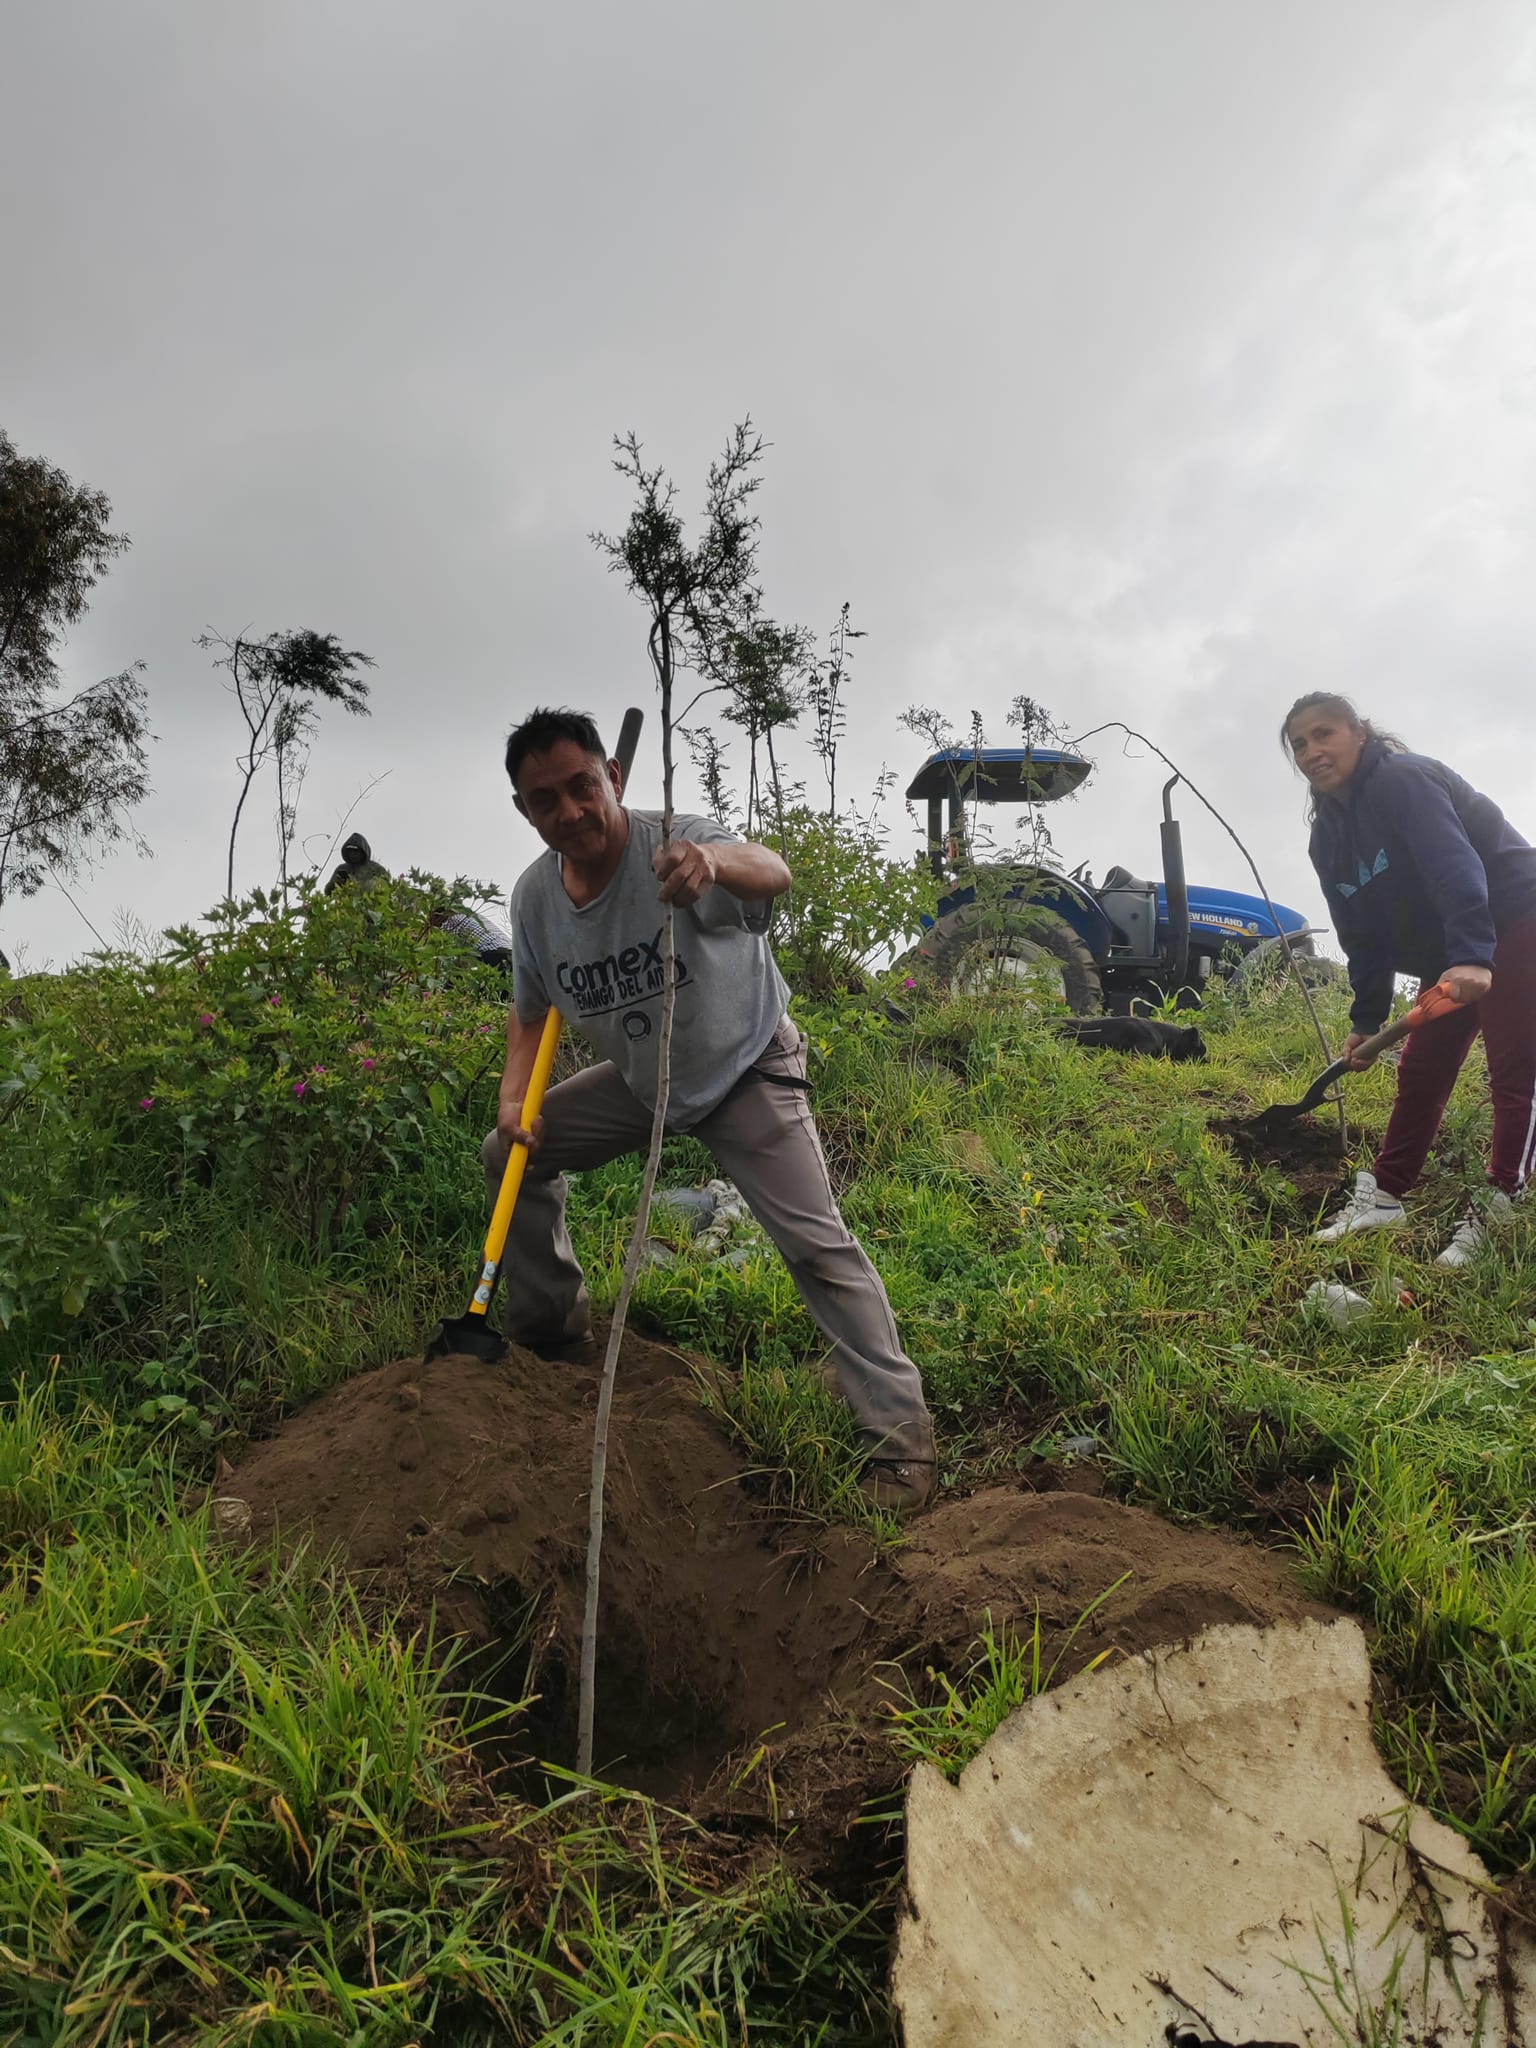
(1160, 362)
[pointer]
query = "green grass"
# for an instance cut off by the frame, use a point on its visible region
(238, 1804)
(235, 1805)
(947, 1721)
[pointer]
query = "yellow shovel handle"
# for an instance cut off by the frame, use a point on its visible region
(533, 1100)
(517, 1162)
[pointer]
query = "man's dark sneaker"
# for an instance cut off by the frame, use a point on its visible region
(900, 1486)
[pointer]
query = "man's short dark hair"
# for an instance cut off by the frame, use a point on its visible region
(546, 728)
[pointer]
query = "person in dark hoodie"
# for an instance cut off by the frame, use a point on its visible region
(1426, 877)
(357, 865)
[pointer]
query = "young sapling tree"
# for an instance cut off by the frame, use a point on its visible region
(697, 597)
(708, 758)
(828, 681)
(764, 669)
(279, 683)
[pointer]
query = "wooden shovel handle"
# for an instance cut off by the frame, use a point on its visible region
(1436, 1001)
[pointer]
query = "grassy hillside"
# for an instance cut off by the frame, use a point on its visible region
(243, 1801)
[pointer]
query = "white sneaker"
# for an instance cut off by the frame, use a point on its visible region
(1367, 1209)
(1471, 1235)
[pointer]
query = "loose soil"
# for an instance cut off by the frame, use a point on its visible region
(746, 1657)
(1305, 1151)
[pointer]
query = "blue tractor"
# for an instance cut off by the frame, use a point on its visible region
(1114, 945)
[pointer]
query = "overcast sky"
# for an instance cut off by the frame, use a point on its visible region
(1158, 358)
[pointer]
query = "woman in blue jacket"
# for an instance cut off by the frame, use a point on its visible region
(1426, 877)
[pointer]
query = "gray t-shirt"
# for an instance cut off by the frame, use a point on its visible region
(602, 967)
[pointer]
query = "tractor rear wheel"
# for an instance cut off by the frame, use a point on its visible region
(1013, 945)
(1264, 970)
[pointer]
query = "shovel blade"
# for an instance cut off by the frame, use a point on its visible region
(1277, 1116)
(466, 1337)
(1280, 1113)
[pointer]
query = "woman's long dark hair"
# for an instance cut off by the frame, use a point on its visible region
(1342, 707)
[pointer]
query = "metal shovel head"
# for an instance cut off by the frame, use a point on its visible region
(1287, 1112)
(466, 1337)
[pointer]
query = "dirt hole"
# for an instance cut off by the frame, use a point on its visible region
(745, 1657)
(1305, 1151)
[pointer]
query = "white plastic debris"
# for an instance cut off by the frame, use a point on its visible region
(231, 1517)
(1341, 1305)
(693, 1208)
(731, 1214)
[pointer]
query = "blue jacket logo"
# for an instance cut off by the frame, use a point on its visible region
(1367, 874)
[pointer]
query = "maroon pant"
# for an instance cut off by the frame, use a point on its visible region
(1433, 1056)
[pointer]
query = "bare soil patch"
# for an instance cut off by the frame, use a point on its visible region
(1305, 1151)
(744, 1654)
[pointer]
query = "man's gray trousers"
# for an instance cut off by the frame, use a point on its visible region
(763, 1138)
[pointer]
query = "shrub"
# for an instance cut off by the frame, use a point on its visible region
(851, 907)
(288, 1054)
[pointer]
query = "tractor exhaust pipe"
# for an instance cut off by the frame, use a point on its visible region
(1178, 892)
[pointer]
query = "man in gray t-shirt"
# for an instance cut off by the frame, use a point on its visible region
(588, 929)
(600, 964)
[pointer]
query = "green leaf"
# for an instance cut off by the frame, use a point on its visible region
(22, 1730)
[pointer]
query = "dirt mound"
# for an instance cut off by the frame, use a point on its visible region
(722, 1623)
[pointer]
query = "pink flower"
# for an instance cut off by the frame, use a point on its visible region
(146, 1102)
(206, 1019)
(274, 1001)
(299, 1087)
(369, 1065)
(482, 1027)
(317, 1070)
(909, 982)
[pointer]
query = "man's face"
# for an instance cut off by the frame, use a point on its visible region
(571, 799)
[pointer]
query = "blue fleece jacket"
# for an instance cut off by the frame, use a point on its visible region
(1420, 871)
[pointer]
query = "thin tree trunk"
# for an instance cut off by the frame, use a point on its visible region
(282, 829)
(253, 758)
(776, 786)
(587, 1704)
(229, 884)
(18, 609)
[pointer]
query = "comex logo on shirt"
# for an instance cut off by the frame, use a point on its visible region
(616, 979)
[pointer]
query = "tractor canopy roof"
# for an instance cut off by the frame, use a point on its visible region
(1001, 775)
